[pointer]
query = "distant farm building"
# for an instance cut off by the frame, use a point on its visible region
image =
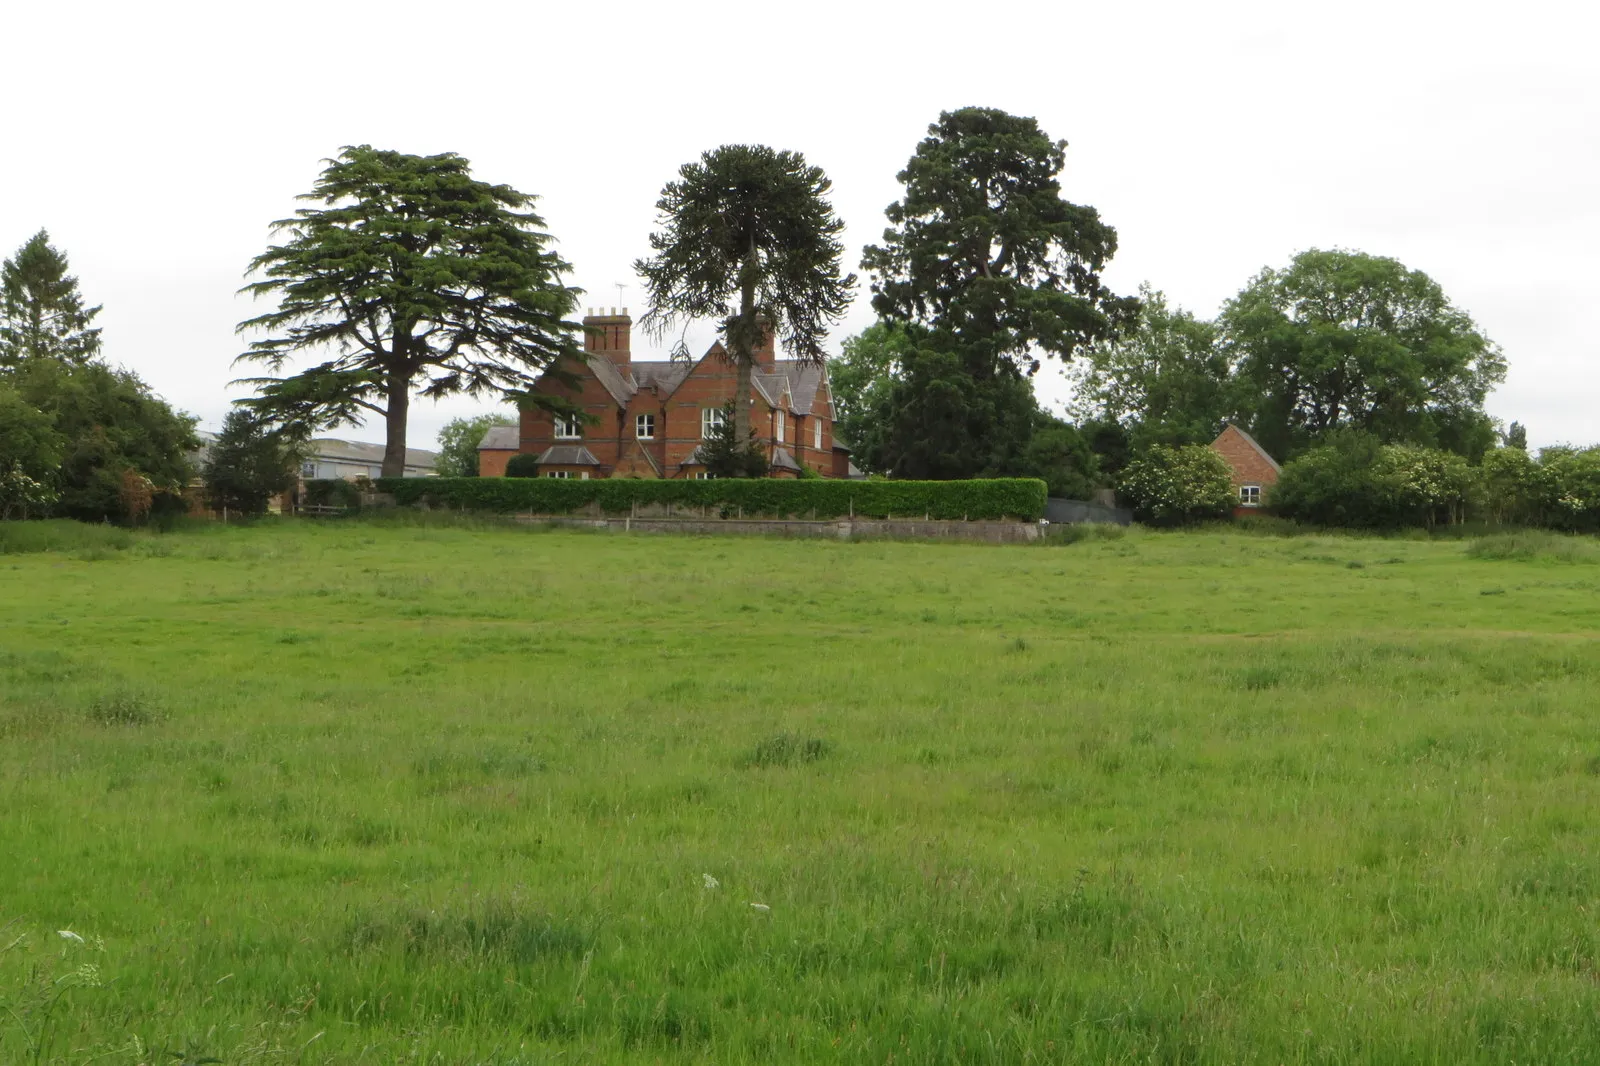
(1254, 471)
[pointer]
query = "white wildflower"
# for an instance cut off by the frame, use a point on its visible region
(68, 934)
(711, 882)
(762, 907)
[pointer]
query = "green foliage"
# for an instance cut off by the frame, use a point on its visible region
(523, 464)
(1517, 490)
(249, 463)
(1571, 480)
(723, 455)
(417, 276)
(1058, 454)
(62, 535)
(1166, 379)
(1357, 482)
(459, 440)
(107, 422)
(1019, 498)
(1172, 486)
(858, 378)
(982, 246)
(748, 238)
(1344, 340)
(29, 442)
(41, 311)
(337, 492)
(937, 419)
(1517, 436)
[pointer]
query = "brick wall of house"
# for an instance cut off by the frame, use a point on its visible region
(1249, 467)
(492, 461)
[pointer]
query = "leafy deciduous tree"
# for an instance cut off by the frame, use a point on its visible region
(417, 276)
(458, 444)
(41, 311)
(1166, 378)
(1342, 339)
(749, 238)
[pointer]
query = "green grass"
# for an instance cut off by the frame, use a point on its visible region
(378, 793)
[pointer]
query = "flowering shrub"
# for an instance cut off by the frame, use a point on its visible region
(1170, 486)
(21, 495)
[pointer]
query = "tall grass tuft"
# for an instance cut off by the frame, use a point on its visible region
(1536, 546)
(786, 749)
(63, 535)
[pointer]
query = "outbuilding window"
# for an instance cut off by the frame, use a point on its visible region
(562, 474)
(1250, 495)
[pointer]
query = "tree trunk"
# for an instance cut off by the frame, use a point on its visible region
(743, 358)
(394, 447)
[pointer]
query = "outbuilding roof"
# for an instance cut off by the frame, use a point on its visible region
(567, 455)
(501, 438)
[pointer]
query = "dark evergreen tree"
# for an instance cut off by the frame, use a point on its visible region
(984, 250)
(749, 238)
(724, 455)
(1517, 436)
(42, 315)
(417, 277)
(249, 463)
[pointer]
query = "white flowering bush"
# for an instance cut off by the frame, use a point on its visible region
(21, 495)
(1171, 486)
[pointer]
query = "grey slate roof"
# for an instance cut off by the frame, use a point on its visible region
(567, 455)
(335, 450)
(782, 460)
(665, 376)
(501, 438)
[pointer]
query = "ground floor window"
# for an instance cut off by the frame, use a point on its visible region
(702, 475)
(558, 473)
(1250, 495)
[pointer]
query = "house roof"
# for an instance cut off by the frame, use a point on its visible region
(567, 455)
(666, 376)
(335, 450)
(782, 460)
(1248, 439)
(501, 438)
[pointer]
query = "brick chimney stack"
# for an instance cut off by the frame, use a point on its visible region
(609, 334)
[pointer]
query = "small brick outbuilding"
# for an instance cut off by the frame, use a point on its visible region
(1254, 471)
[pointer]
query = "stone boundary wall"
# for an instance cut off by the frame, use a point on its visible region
(844, 528)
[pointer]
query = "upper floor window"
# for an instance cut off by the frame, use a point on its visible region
(711, 419)
(644, 427)
(568, 427)
(816, 433)
(308, 469)
(1250, 495)
(779, 425)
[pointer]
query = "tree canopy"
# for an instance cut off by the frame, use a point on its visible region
(412, 275)
(1165, 379)
(248, 463)
(983, 248)
(1345, 340)
(42, 314)
(749, 238)
(459, 440)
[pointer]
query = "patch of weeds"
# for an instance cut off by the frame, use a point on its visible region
(1355, 564)
(1492, 592)
(292, 637)
(125, 708)
(1260, 678)
(499, 930)
(787, 749)
(1535, 546)
(1019, 645)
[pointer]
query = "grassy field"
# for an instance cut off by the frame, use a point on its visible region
(359, 793)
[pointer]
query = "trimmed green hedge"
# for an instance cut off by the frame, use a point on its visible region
(1021, 498)
(332, 492)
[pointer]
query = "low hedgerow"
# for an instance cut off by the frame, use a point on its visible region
(62, 535)
(991, 498)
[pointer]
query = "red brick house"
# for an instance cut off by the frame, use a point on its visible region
(1254, 471)
(650, 417)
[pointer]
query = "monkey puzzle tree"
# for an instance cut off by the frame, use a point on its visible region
(748, 237)
(416, 276)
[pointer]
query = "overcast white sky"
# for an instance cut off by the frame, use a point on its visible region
(156, 141)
